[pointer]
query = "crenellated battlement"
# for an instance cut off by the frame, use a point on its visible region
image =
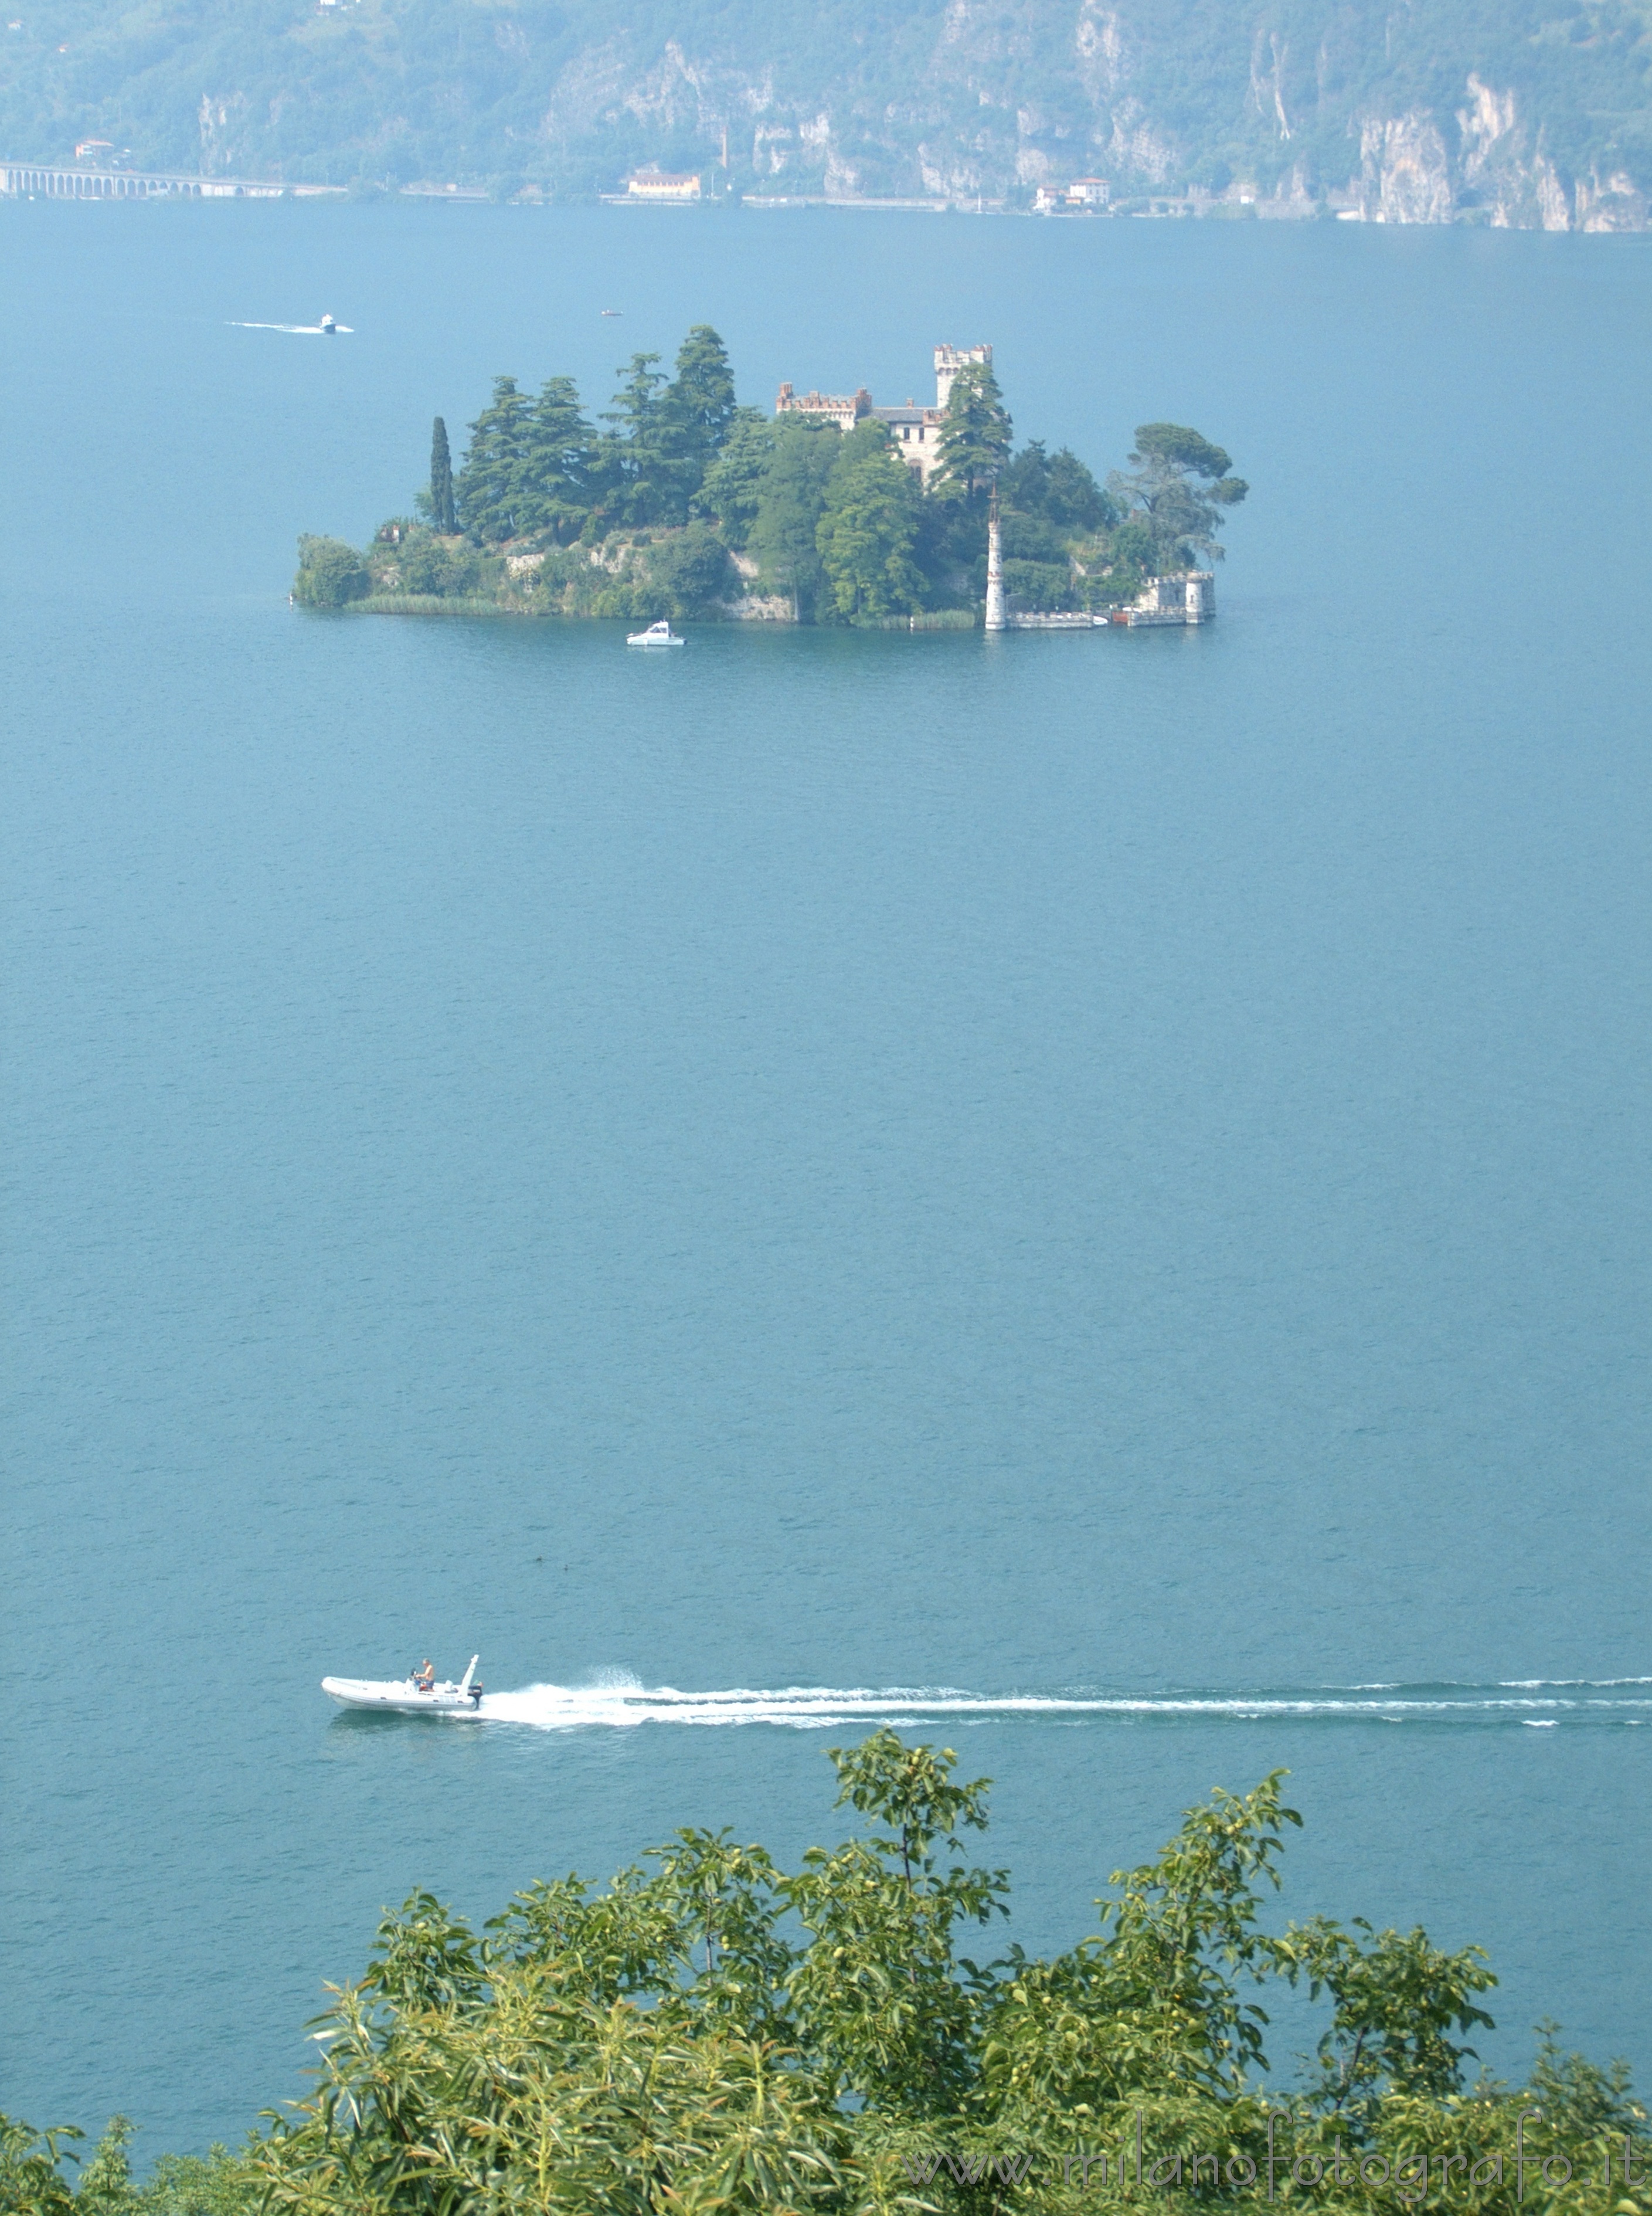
(914, 430)
(949, 360)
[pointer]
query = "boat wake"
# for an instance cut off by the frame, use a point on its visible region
(616, 1702)
(327, 328)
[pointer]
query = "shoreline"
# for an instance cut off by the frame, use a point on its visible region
(27, 179)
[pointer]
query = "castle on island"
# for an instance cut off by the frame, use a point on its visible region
(1189, 598)
(915, 431)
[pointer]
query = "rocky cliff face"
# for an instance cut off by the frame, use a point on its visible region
(1496, 168)
(995, 103)
(1537, 113)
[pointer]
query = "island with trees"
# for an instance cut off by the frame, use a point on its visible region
(677, 502)
(712, 2034)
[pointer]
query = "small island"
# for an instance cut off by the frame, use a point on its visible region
(833, 510)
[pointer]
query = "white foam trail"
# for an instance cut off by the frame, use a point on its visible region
(1594, 1685)
(618, 1701)
(299, 331)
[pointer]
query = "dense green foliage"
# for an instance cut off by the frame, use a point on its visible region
(1176, 492)
(868, 528)
(537, 467)
(790, 500)
(975, 437)
(915, 96)
(38, 2178)
(715, 2034)
(733, 488)
(682, 502)
(329, 574)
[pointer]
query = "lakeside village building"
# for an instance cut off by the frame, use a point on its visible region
(1083, 196)
(661, 186)
(916, 433)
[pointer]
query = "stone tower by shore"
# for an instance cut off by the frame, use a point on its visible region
(997, 615)
(949, 360)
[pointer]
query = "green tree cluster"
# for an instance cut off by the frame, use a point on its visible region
(38, 2178)
(715, 2034)
(869, 529)
(1174, 495)
(329, 574)
(789, 500)
(538, 468)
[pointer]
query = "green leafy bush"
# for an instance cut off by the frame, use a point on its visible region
(36, 2177)
(1040, 585)
(713, 2035)
(425, 564)
(692, 571)
(329, 574)
(718, 2034)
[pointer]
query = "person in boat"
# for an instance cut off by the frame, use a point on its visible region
(424, 1680)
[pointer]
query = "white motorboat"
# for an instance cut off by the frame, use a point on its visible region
(409, 1697)
(660, 634)
(327, 328)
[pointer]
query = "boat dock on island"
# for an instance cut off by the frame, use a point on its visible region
(1188, 599)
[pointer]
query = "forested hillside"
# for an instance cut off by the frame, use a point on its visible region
(1525, 111)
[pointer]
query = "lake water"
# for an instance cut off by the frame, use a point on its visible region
(1109, 1169)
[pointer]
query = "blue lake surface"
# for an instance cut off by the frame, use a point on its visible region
(1105, 1170)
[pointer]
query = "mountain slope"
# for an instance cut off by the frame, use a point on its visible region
(1532, 112)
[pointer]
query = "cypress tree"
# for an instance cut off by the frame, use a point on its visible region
(441, 478)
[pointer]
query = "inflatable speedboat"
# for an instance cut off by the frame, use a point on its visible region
(409, 1697)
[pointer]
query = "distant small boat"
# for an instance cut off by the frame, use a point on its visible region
(416, 1696)
(613, 311)
(660, 634)
(327, 328)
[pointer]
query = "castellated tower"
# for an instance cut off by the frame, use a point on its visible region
(949, 360)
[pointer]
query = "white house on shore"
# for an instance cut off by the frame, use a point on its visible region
(914, 430)
(662, 185)
(1083, 194)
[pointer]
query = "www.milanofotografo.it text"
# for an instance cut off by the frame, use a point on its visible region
(1413, 2178)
